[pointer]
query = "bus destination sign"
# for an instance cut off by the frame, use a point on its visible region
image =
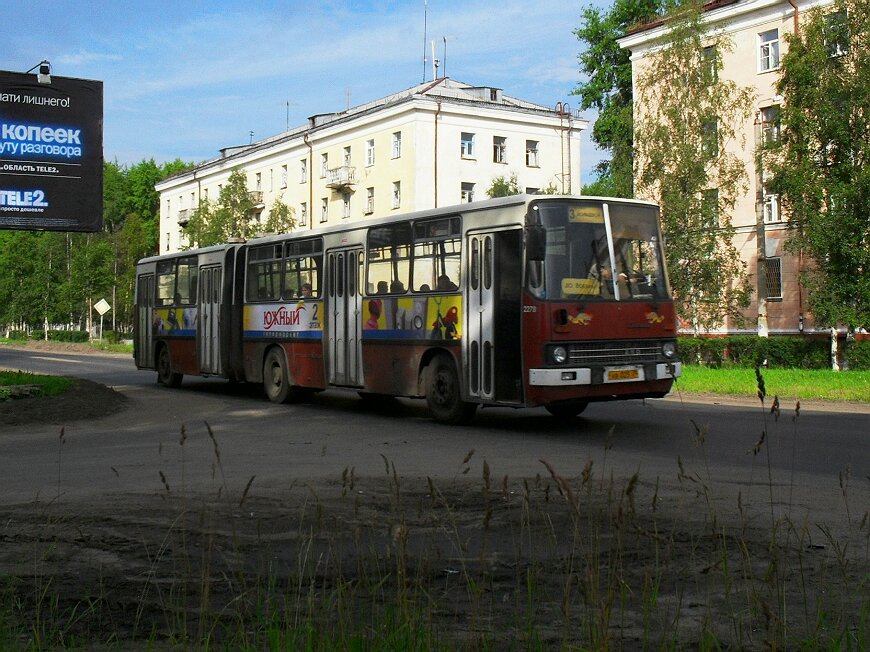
(51, 153)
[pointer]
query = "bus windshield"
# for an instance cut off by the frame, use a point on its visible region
(609, 251)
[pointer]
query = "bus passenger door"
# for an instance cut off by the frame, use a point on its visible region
(344, 322)
(208, 342)
(492, 338)
(144, 318)
(479, 315)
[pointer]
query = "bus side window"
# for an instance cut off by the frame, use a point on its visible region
(165, 282)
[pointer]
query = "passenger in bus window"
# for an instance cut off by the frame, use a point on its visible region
(305, 291)
(425, 288)
(382, 287)
(445, 284)
(397, 287)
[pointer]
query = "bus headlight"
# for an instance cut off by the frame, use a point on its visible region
(669, 349)
(560, 355)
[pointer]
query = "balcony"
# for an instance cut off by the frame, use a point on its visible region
(256, 197)
(342, 178)
(184, 216)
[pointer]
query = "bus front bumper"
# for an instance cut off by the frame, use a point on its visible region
(604, 375)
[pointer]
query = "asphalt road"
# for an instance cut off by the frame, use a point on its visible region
(210, 433)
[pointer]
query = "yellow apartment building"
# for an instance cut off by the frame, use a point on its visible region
(755, 29)
(436, 144)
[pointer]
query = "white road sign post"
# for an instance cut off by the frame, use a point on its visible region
(102, 307)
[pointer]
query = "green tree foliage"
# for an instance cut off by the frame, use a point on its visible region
(504, 187)
(281, 218)
(608, 87)
(231, 217)
(821, 166)
(50, 279)
(683, 133)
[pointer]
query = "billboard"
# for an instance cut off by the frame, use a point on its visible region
(51, 153)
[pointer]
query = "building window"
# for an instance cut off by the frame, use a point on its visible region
(836, 33)
(710, 137)
(773, 276)
(324, 209)
(303, 171)
(499, 148)
(283, 176)
(710, 208)
(467, 194)
(324, 165)
(467, 142)
(532, 153)
(709, 65)
(303, 214)
(397, 144)
(768, 50)
(258, 183)
(770, 125)
(345, 200)
(397, 194)
(370, 201)
(370, 152)
(771, 206)
(346, 157)
(532, 191)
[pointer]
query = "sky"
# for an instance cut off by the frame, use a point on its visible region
(184, 78)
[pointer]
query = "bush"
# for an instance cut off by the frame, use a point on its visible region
(17, 335)
(857, 355)
(702, 350)
(750, 350)
(68, 336)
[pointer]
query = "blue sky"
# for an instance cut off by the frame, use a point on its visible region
(184, 78)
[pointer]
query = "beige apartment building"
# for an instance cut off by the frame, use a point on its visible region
(436, 144)
(755, 29)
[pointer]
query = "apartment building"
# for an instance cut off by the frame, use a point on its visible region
(756, 30)
(436, 144)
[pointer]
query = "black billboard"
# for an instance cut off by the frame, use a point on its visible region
(51, 153)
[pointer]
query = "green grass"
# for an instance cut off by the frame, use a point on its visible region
(787, 384)
(51, 385)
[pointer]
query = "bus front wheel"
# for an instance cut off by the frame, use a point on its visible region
(443, 393)
(276, 380)
(165, 375)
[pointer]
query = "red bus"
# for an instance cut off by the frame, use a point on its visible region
(522, 301)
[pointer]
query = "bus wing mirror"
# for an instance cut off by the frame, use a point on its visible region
(536, 242)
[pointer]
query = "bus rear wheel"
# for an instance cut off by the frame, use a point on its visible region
(276, 380)
(443, 393)
(165, 375)
(566, 410)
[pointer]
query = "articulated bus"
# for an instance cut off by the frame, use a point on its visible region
(522, 301)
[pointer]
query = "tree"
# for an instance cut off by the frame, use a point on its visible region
(231, 217)
(281, 218)
(504, 187)
(821, 165)
(686, 124)
(608, 87)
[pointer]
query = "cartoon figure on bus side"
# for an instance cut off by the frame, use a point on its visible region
(374, 315)
(444, 326)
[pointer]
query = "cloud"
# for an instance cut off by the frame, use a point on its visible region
(84, 58)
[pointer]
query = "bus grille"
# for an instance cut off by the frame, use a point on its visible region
(617, 352)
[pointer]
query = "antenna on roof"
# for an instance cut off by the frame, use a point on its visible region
(425, 19)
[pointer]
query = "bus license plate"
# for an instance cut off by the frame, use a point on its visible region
(622, 375)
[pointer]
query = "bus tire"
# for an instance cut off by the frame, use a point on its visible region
(165, 375)
(566, 410)
(276, 379)
(444, 393)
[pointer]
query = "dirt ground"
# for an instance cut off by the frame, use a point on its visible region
(592, 562)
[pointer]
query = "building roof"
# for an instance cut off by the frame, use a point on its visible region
(443, 89)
